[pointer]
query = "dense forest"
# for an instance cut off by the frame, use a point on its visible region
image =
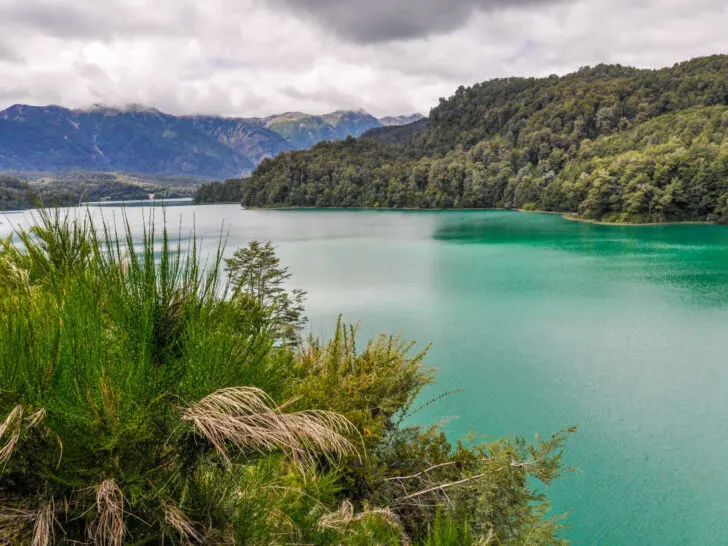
(146, 399)
(607, 143)
(219, 192)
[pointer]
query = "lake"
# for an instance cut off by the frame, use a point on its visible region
(544, 323)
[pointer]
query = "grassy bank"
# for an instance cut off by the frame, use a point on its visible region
(147, 399)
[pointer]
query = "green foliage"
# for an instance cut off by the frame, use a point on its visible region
(673, 168)
(257, 282)
(607, 143)
(418, 470)
(449, 532)
(219, 192)
(146, 400)
(369, 387)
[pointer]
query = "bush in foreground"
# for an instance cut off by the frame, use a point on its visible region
(146, 399)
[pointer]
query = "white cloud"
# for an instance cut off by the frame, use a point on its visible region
(246, 57)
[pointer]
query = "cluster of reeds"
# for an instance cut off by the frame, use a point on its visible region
(142, 400)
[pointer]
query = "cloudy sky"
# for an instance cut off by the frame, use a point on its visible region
(258, 57)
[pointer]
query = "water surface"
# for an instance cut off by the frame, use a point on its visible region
(544, 323)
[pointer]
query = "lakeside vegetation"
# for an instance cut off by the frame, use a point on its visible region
(608, 143)
(27, 190)
(219, 192)
(146, 398)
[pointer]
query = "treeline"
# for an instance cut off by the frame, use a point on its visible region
(608, 143)
(673, 168)
(148, 399)
(219, 192)
(72, 189)
(16, 194)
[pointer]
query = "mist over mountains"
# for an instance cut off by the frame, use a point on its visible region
(139, 139)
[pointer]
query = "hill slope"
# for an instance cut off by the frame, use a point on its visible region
(555, 143)
(391, 121)
(104, 139)
(245, 137)
(304, 130)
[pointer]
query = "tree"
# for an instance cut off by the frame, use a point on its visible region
(258, 284)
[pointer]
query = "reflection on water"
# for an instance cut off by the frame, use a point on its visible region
(692, 259)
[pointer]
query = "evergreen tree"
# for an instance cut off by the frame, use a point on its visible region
(258, 284)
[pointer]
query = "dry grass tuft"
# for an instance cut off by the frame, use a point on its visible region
(182, 524)
(8, 514)
(12, 275)
(10, 433)
(43, 533)
(341, 518)
(384, 514)
(108, 527)
(247, 418)
(345, 515)
(12, 523)
(35, 419)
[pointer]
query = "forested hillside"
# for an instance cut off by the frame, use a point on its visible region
(219, 192)
(74, 188)
(608, 143)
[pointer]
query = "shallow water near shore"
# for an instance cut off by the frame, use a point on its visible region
(544, 323)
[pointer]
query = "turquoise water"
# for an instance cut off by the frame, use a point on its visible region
(543, 323)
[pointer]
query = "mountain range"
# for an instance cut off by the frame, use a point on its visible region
(139, 139)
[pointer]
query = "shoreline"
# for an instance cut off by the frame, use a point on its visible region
(570, 216)
(573, 218)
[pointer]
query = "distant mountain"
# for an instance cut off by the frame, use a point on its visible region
(397, 134)
(246, 137)
(108, 139)
(304, 130)
(141, 139)
(301, 130)
(390, 121)
(347, 123)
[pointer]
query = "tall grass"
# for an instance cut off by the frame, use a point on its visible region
(122, 370)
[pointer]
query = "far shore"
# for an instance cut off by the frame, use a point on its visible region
(572, 217)
(565, 215)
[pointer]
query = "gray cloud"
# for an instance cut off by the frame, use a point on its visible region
(375, 21)
(260, 57)
(331, 95)
(93, 19)
(8, 93)
(8, 54)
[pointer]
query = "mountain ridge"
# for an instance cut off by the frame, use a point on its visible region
(137, 138)
(391, 121)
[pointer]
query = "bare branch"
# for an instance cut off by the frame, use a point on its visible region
(422, 473)
(443, 486)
